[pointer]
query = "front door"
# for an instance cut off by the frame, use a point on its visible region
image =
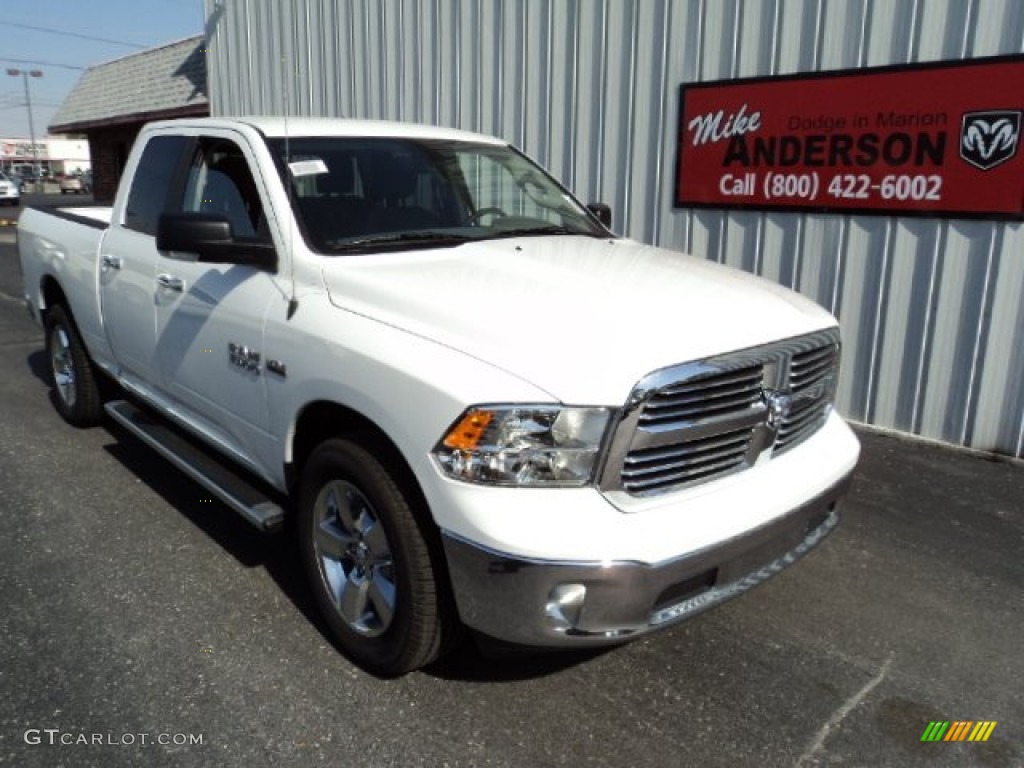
(210, 317)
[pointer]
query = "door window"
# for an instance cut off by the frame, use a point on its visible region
(220, 181)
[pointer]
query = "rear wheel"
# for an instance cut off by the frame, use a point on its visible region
(366, 554)
(76, 391)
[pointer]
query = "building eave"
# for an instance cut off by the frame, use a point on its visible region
(137, 118)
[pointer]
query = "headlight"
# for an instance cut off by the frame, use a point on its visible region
(524, 445)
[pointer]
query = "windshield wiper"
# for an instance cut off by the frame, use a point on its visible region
(552, 229)
(399, 240)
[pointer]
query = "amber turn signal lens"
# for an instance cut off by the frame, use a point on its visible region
(466, 435)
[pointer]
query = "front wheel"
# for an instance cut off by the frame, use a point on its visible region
(367, 557)
(74, 380)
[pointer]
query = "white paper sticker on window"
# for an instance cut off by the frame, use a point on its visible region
(307, 167)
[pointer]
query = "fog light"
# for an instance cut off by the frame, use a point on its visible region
(564, 606)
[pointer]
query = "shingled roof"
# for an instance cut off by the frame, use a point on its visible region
(169, 81)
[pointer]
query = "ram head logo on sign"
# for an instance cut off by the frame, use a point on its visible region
(989, 138)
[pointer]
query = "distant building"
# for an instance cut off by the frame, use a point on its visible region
(112, 101)
(55, 156)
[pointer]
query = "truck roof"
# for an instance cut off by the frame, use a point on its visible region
(279, 127)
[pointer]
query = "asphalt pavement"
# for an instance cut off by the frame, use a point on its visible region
(143, 624)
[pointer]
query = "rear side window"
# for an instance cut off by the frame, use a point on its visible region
(152, 182)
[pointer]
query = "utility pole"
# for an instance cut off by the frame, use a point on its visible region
(25, 74)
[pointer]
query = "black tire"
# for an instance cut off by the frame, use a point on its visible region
(76, 393)
(366, 552)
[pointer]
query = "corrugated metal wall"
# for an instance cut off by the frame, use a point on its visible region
(932, 310)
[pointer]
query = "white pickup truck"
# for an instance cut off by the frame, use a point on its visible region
(477, 405)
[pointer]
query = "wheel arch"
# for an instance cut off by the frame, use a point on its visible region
(51, 293)
(322, 420)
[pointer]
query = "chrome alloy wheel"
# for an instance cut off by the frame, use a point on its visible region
(354, 557)
(63, 365)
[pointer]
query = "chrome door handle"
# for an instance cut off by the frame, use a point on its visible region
(109, 261)
(170, 282)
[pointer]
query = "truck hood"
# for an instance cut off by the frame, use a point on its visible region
(581, 318)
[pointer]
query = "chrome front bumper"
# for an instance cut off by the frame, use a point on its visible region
(544, 603)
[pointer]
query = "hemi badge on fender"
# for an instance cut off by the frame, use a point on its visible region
(276, 366)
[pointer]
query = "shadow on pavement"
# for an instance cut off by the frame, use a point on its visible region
(479, 660)
(474, 660)
(250, 547)
(38, 366)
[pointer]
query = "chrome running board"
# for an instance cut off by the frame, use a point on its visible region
(209, 471)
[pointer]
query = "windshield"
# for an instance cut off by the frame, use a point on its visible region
(366, 194)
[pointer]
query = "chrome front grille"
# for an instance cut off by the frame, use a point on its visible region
(706, 397)
(694, 429)
(811, 386)
(701, 421)
(688, 461)
(810, 366)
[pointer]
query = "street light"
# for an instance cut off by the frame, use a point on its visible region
(25, 75)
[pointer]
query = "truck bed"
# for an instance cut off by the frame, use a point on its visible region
(65, 242)
(97, 213)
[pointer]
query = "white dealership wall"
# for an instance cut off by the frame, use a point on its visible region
(932, 309)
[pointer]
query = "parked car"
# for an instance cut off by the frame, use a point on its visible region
(10, 190)
(69, 184)
(17, 178)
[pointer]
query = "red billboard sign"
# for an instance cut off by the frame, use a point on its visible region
(930, 139)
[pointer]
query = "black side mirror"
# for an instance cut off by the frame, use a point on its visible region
(209, 236)
(602, 212)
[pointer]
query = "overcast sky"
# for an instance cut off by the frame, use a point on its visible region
(57, 38)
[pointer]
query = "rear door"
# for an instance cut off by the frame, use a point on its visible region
(128, 259)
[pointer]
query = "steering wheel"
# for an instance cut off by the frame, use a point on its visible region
(474, 218)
